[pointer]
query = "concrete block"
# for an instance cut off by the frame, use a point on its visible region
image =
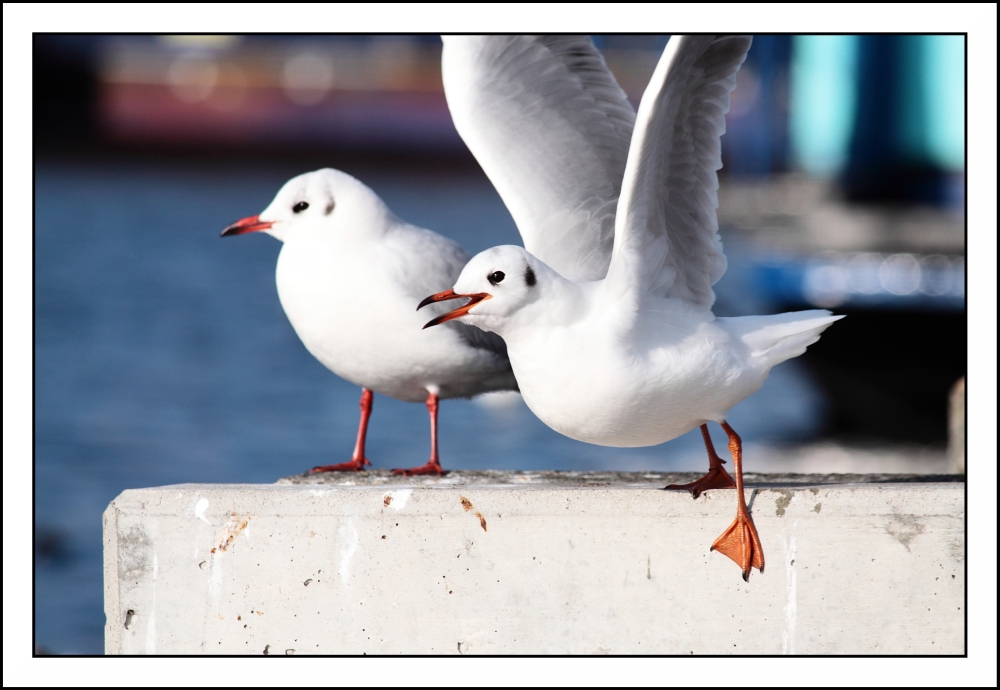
(533, 563)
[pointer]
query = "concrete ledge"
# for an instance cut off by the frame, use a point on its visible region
(533, 563)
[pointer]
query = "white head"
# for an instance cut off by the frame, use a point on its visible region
(500, 283)
(324, 201)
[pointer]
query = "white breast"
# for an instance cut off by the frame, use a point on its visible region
(593, 383)
(349, 310)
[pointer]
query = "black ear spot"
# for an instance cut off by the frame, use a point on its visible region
(329, 208)
(529, 277)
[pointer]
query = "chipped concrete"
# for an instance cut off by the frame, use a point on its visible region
(230, 531)
(585, 563)
(782, 502)
(904, 528)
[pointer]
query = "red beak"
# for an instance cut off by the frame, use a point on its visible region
(251, 224)
(474, 299)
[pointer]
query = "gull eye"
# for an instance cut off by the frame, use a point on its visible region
(495, 277)
(300, 207)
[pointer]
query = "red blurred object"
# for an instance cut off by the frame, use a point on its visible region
(225, 90)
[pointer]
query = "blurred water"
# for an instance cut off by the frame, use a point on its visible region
(163, 356)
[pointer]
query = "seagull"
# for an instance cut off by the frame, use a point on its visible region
(609, 328)
(348, 275)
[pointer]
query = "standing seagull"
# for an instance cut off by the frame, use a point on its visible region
(638, 358)
(348, 275)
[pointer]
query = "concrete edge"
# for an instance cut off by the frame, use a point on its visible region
(366, 500)
(550, 486)
(112, 605)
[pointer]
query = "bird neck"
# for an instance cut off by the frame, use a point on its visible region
(559, 303)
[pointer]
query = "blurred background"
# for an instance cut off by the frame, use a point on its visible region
(162, 354)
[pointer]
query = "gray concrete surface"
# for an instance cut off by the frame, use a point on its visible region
(534, 563)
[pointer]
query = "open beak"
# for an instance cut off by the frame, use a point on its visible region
(251, 224)
(474, 299)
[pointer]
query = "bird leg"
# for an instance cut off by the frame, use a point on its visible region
(433, 465)
(358, 459)
(716, 478)
(740, 541)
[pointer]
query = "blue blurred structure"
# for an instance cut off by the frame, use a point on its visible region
(756, 140)
(903, 148)
(886, 113)
(823, 102)
(865, 280)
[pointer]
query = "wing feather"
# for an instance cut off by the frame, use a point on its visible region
(666, 231)
(551, 128)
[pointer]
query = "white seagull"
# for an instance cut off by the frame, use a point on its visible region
(636, 357)
(348, 275)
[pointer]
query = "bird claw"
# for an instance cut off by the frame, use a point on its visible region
(715, 478)
(353, 466)
(431, 467)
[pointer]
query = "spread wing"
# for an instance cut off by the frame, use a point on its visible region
(666, 231)
(551, 128)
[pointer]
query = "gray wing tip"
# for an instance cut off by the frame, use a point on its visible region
(721, 47)
(481, 340)
(733, 45)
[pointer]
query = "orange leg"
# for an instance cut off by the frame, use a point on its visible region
(716, 478)
(740, 541)
(433, 465)
(358, 459)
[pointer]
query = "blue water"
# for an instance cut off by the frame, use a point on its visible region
(162, 356)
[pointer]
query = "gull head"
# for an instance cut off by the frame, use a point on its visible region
(498, 283)
(324, 201)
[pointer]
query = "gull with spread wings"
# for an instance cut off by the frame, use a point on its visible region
(607, 310)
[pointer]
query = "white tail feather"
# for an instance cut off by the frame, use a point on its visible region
(773, 339)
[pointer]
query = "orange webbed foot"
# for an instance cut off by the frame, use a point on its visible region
(741, 544)
(715, 478)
